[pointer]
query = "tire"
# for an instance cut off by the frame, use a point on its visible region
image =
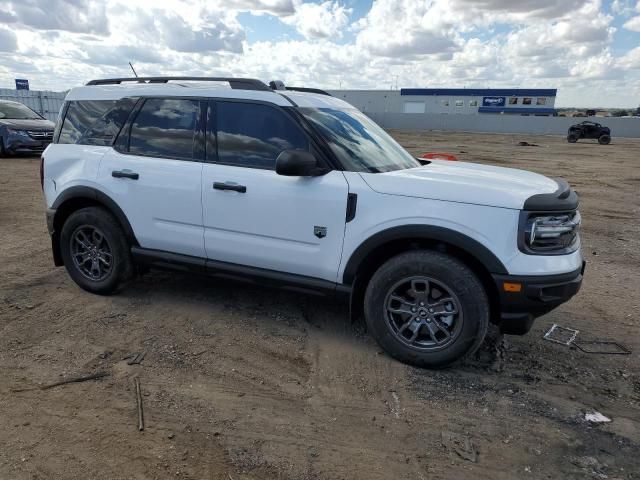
(604, 139)
(572, 137)
(442, 273)
(107, 266)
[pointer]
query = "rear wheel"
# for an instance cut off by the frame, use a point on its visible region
(604, 139)
(95, 250)
(572, 137)
(427, 309)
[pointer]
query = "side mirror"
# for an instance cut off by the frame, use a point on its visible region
(298, 163)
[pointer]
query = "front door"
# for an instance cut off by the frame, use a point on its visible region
(156, 176)
(253, 216)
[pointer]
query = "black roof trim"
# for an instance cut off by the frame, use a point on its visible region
(563, 199)
(235, 83)
(309, 90)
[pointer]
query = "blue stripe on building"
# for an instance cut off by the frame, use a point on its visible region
(481, 92)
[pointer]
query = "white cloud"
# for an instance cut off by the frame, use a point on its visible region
(8, 41)
(633, 24)
(568, 44)
(81, 16)
(319, 20)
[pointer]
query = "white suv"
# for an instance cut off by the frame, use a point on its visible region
(295, 188)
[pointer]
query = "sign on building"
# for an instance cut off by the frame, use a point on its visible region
(493, 101)
(22, 84)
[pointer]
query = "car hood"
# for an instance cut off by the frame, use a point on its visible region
(464, 182)
(40, 124)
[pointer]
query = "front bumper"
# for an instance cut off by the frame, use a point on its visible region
(20, 144)
(524, 298)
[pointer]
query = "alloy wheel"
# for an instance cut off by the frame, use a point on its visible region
(423, 313)
(91, 253)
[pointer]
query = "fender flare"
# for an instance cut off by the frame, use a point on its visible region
(100, 197)
(422, 232)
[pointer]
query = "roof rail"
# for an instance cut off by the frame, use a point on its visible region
(235, 83)
(309, 90)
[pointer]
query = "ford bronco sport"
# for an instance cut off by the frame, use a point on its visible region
(295, 188)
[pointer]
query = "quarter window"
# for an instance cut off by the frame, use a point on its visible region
(541, 101)
(165, 127)
(253, 135)
(81, 116)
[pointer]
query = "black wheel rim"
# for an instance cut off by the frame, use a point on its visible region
(423, 313)
(91, 253)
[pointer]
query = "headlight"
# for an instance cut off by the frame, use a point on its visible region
(549, 234)
(22, 133)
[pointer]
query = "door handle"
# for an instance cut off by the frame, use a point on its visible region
(125, 174)
(229, 186)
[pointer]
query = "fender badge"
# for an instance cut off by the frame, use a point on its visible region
(320, 232)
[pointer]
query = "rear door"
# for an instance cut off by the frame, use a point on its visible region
(255, 217)
(154, 174)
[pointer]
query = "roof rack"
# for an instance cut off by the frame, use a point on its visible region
(309, 90)
(235, 83)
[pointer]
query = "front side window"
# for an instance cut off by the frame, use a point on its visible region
(17, 111)
(513, 100)
(358, 142)
(526, 101)
(165, 127)
(253, 135)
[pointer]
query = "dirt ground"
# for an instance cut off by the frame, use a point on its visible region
(240, 382)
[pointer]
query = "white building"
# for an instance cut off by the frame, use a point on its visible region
(469, 101)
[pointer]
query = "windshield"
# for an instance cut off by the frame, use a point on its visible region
(358, 142)
(17, 111)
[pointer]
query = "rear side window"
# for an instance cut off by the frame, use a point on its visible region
(95, 122)
(165, 127)
(253, 135)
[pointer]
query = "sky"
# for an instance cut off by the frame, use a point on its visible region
(588, 49)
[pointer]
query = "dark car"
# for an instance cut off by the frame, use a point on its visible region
(589, 130)
(22, 130)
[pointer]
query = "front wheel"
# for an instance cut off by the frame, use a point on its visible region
(427, 309)
(95, 250)
(572, 137)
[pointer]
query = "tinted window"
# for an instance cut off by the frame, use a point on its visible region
(252, 135)
(165, 127)
(81, 116)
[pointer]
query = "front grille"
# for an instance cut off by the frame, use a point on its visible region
(45, 135)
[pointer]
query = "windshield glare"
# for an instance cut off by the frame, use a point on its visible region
(358, 142)
(17, 111)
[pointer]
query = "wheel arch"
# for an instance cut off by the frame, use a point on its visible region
(380, 247)
(75, 198)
